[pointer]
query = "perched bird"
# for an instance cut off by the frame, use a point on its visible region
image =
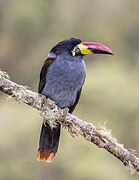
(61, 79)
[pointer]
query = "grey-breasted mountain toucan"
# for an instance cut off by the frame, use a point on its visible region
(61, 79)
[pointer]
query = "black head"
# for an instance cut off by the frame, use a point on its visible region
(64, 46)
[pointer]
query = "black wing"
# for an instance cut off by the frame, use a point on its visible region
(71, 109)
(43, 73)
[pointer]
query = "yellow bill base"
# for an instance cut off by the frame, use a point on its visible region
(84, 49)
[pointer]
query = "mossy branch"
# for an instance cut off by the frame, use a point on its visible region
(101, 136)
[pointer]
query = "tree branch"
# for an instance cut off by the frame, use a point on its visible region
(101, 136)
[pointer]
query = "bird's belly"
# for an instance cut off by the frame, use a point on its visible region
(64, 98)
(64, 94)
(62, 85)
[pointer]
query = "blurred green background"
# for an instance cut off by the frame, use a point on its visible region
(28, 30)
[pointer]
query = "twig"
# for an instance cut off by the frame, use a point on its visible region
(101, 136)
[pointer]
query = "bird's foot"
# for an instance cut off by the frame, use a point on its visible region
(50, 119)
(64, 114)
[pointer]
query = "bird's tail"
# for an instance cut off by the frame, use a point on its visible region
(48, 144)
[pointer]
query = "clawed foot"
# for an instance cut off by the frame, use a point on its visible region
(50, 118)
(65, 112)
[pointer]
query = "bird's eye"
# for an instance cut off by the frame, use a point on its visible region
(77, 50)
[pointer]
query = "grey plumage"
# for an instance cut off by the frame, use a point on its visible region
(64, 78)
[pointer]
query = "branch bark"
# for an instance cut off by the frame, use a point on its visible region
(101, 136)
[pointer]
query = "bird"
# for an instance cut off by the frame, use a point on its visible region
(61, 79)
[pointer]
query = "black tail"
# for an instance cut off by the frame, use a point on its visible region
(48, 144)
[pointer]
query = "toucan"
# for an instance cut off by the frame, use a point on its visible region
(61, 79)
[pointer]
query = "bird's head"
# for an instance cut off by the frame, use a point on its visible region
(76, 47)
